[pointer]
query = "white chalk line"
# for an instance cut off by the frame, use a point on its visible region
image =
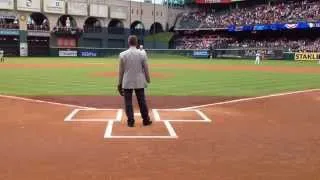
(141, 137)
(45, 102)
(170, 129)
(86, 109)
(156, 113)
(249, 99)
(204, 117)
(91, 120)
(108, 132)
(70, 117)
(118, 117)
(167, 123)
(185, 108)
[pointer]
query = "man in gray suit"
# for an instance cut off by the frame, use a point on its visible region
(134, 76)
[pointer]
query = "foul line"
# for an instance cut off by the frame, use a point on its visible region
(185, 108)
(45, 102)
(250, 99)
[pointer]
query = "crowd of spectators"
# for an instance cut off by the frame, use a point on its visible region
(220, 42)
(277, 12)
(201, 42)
(9, 23)
(67, 30)
(308, 45)
(38, 27)
(191, 20)
(291, 11)
(43, 26)
(9, 26)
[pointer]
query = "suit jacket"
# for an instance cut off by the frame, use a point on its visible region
(133, 69)
(143, 52)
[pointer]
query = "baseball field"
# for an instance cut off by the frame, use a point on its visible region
(62, 119)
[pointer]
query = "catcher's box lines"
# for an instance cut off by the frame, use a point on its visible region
(166, 122)
(118, 114)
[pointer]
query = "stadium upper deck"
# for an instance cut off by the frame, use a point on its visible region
(35, 26)
(277, 12)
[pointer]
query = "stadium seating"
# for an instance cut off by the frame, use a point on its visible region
(288, 12)
(191, 20)
(43, 27)
(222, 42)
(201, 42)
(290, 45)
(261, 14)
(9, 26)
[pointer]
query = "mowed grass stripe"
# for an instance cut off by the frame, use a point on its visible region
(235, 79)
(232, 81)
(185, 84)
(163, 59)
(253, 90)
(215, 86)
(263, 85)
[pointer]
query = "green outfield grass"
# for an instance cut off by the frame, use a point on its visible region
(77, 81)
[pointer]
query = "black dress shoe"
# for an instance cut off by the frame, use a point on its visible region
(131, 124)
(147, 123)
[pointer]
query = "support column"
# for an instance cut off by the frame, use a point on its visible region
(23, 37)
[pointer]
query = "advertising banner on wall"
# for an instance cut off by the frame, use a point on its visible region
(9, 32)
(99, 10)
(68, 53)
(29, 5)
(6, 4)
(274, 26)
(88, 53)
(306, 56)
(38, 34)
(23, 49)
(54, 6)
(118, 12)
(77, 8)
(200, 54)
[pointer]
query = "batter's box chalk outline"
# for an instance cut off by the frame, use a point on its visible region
(172, 133)
(117, 118)
(156, 113)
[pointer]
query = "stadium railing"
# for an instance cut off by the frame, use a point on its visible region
(243, 53)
